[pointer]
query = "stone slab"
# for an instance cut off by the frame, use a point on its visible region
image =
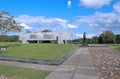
(59, 75)
(85, 63)
(79, 76)
(74, 59)
(86, 71)
(29, 65)
(66, 69)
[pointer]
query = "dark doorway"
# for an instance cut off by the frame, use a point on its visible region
(46, 41)
(32, 41)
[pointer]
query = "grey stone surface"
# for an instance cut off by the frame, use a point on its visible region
(87, 72)
(74, 59)
(30, 65)
(86, 63)
(79, 76)
(66, 69)
(78, 66)
(59, 75)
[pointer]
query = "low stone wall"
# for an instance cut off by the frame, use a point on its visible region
(38, 61)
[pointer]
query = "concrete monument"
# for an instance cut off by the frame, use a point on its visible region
(60, 37)
(84, 40)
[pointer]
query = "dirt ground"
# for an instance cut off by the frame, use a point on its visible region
(106, 61)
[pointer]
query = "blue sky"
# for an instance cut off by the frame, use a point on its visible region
(75, 16)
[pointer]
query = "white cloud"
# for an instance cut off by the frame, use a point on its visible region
(100, 21)
(117, 7)
(79, 35)
(69, 3)
(71, 26)
(87, 36)
(94, 3)
(25, 26)
(40, 22)
(90, 35)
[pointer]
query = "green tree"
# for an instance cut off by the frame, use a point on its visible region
(13, 38)
(28, 31)
(94, 40)
(3, 38)
(6, 38)
(118, 39)
(8, 24)
(107, 37)
(46, 30)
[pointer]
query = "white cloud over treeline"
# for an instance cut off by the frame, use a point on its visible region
(40, 22)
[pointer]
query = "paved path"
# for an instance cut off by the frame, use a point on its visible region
(29, 65)
(78, 66)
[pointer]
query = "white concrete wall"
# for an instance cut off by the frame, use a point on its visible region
(46, 36)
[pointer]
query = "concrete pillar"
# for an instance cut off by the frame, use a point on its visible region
(38, 41)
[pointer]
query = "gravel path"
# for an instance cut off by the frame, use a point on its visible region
(106, 61)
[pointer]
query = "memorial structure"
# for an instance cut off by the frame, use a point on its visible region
(60, 37)
(84, 40)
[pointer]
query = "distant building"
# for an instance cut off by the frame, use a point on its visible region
(60, 37)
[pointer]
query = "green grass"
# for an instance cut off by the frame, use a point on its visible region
(39, 51)
(22, 73)
(9, 44)
(118, 45)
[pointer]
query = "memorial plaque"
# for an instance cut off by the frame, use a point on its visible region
(48, 36)
(33, 36)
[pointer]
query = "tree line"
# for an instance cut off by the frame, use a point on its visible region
(107, 37)
(6, 38)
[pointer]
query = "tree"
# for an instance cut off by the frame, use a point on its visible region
(28, 31)
(8, 24)
(46, 30)
(6, 38)
(94, 40)
(118, 39)
(107, 37)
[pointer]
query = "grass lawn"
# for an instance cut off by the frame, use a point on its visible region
(12, 72)
(119, 47)
(39, 51)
